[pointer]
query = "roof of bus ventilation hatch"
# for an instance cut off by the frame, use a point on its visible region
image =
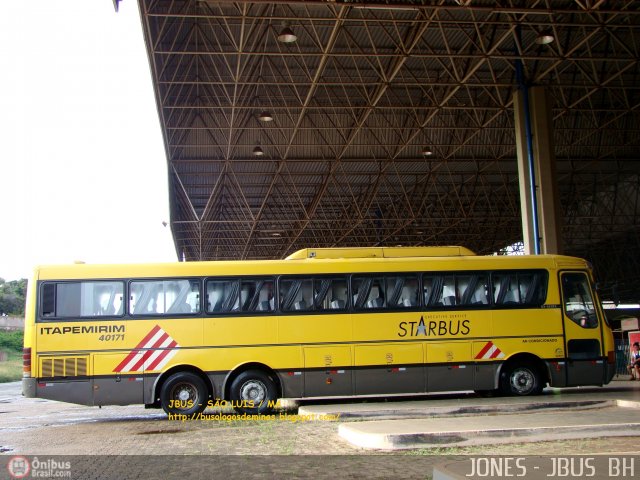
(379, 252)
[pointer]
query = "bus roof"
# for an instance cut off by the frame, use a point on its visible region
(379, 252)
(325, 261)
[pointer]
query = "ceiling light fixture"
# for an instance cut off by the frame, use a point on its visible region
(286, 35)
(258, 152)
(427, 152)
(265, 116)
(545, 38)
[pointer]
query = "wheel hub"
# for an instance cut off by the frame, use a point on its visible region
(522, 380)
(253, 390)
(184, 392)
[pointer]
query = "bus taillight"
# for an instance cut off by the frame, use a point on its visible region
(611, 358)
(26, 362)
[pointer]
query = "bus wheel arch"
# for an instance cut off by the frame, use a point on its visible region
(522, 374)
(192, 378)
(249, 379)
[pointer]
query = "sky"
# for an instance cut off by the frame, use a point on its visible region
(83, 173)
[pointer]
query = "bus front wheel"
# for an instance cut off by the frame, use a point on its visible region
(184, 393)
(254, 392)
(521, 379)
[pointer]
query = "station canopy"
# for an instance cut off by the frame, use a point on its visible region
(295, 124)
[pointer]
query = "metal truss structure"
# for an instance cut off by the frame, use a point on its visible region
(391, 123)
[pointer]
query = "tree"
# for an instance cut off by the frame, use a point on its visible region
(12, 296)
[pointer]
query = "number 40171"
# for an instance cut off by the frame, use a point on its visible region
(111, 338)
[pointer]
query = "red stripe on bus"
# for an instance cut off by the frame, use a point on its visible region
(138, 365)
(134, 352)
(496, 353)
(157, 361)
(484, 350)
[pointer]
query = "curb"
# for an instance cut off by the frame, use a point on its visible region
(400, 441)
(382, 413)
(459, 431)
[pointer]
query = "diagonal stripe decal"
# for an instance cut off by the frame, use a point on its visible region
(156, 342)
(484, 350)
(163, 358)
(152, 353)
(489, 351)
(134, 352)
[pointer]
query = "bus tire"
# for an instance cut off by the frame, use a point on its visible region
(184, 393)
(521, 379)
(253, 392)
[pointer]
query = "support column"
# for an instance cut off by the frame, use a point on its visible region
(545, 212)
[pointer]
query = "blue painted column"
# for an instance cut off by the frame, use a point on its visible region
(539, 199)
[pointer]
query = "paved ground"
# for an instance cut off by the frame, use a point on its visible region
(465, 420)
(297, 449)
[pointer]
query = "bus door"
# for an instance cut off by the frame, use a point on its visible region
(583, 331)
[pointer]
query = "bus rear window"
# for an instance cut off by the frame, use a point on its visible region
(81, 299)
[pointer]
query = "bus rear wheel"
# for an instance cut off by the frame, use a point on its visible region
(254, 392)
(521, 379)
(184, 393)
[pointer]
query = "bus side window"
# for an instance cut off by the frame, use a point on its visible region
(409, 297)
(146, 298)
(247, 290)
(49, 300)
(82, 299)
(532, 288)
(256, 295)
(505, 289)
(106, 298)
(164, 297)
(320, 292)
(68, 300)
(376, 297)
(289, 290)
(182, 296)
(448, 293)
(526, 288)
(222, 295)
(360, 288)
(463, 289)
(330, 293)
(428, 286)
(480, 295)
(264, 302)
(296, 294)
(215, 296)
(402, 291)
(473, 289)
(323, 293)
(368, 292)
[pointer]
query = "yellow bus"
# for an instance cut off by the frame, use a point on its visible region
(320, 323)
